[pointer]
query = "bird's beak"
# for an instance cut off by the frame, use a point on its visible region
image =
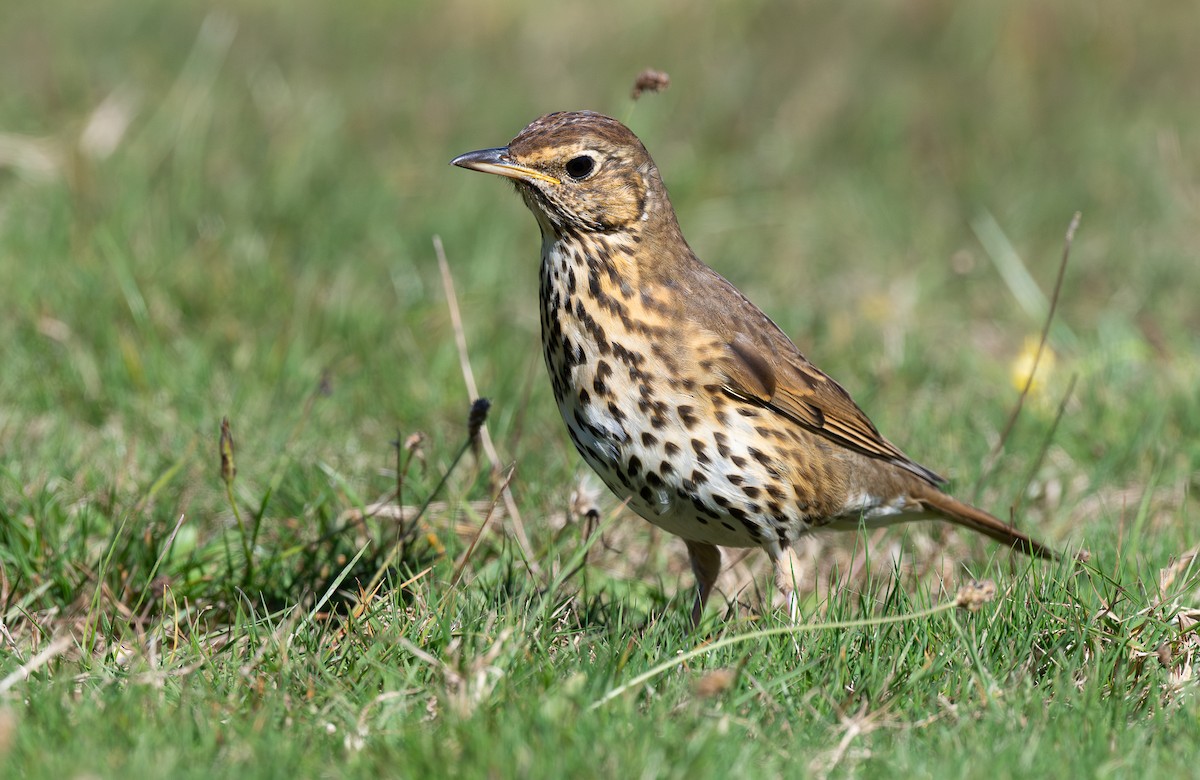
(498, 162)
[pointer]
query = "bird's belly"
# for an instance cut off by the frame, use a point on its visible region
(647, 477)
(651, 438)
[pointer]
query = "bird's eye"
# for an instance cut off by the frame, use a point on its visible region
(579, 167)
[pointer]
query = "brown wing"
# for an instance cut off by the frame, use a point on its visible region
(757, 362)
(754, 369)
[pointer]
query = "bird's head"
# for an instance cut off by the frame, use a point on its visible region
(578, 171)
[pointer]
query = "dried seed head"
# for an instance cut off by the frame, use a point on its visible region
(413, 443)
(228, 468)
(974, 594)
(650, 80)
(585, 501)
(714, 683)
(476, 419)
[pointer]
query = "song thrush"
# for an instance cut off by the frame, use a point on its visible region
(685, 398)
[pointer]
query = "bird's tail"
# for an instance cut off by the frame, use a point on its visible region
(936, 502)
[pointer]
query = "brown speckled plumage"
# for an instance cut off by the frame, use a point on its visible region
(685, 398)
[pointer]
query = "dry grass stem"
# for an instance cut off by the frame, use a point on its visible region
(460, 339)
(994, 455)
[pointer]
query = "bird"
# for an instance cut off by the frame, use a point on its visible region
(687, 400)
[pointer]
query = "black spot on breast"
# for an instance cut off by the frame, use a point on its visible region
(759, 456)
(628, 357)
(739, 461)
(722, 444)
(751, 527)
(751, 491)
(615, 411)
(646, 495)
(735, 479)
(699, 477)
(687, 415)
(671, 448)
(584, 397)
(666, 468)
(653, 480)
(635, 466)
(649, 439)
(574, 353)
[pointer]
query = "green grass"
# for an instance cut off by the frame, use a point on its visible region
(258, 244)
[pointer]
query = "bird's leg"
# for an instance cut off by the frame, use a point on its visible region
(706, 565)
(783, 562)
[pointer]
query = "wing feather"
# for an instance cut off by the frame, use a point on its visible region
(791, 386)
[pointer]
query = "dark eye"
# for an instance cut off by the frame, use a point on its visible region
(579, 167)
